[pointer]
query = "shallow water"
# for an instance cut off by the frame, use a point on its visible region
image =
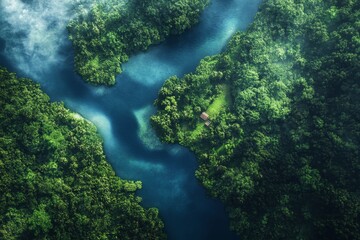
(33, 43)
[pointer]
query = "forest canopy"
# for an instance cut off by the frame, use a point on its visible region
(55, 182)
(282, 151)
(104, 37)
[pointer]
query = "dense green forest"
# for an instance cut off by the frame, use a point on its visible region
(55, 182)
(283, 147)
(104, 37)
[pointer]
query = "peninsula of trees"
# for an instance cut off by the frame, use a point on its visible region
(283, 148)
(55, 182)
(104, 37)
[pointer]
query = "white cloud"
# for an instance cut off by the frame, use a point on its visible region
(35, 32)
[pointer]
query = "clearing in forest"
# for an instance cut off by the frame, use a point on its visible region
(222, 101)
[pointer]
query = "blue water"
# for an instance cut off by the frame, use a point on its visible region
(33, 43)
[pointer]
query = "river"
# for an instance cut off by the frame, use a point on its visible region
(34, 44)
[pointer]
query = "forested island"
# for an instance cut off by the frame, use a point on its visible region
(282, 150)
(55, 182)
(105, 36)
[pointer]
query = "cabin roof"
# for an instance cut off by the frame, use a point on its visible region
(204, 116)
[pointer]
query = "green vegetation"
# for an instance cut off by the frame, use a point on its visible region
(111, 31)
(220, 102)
(55, 182)
(284, 154)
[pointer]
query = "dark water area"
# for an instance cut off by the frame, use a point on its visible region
(121, 113)
(2, 45)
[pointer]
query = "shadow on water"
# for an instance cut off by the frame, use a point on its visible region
(121, 114)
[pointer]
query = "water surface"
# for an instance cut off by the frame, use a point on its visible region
(33, 43)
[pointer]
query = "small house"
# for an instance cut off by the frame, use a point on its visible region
(204, 116)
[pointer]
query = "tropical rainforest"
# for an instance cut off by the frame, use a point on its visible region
(104, 37)
(282, 151)
(55, 182)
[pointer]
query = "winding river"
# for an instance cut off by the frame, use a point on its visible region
(34, 44)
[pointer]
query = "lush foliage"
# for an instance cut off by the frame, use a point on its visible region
(110, 32)
(55, 182)
(283, 149)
